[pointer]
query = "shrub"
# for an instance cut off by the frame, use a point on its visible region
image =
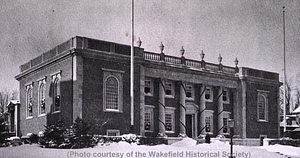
(77, 135)
(53, 135)
(3, 132)
(33, 138)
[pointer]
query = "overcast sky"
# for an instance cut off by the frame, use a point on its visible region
(248, 30)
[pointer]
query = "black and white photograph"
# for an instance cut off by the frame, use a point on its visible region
(150, 79)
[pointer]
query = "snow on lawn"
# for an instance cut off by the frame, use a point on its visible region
(186, 148)
(283, 149)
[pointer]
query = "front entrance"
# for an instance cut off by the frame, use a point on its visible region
(189, 125)
(191, 120)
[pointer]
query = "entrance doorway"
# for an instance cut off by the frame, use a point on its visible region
(189, 125)
(191, 120)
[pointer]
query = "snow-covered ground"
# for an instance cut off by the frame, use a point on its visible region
(186, 148)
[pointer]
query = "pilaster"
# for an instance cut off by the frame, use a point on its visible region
(142, 101)
(77, 76)
(244, 106)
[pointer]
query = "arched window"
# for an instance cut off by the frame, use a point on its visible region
(42, 98)
(112, 90)
(29, 102)
(262, 107)
(56, 94)
(112, 93)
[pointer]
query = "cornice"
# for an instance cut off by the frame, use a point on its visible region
(44, 64)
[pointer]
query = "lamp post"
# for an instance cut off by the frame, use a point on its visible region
(231, 125)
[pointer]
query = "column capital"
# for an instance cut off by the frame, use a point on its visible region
(182, 83)
(204, 84)
(221, 86)
(162, 79)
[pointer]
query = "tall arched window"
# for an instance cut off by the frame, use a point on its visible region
(56, 94)
(112, 90)
(29, 103)
(262, 104)
(42, 104)
(112, 93)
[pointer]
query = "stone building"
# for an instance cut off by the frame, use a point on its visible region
(173, 96)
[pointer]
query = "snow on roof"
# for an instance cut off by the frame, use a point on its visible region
(13, 102)
(294, 124)
(288, 116)
(296, 130)
(296, 111)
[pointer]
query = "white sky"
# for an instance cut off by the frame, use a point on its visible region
(248, 30)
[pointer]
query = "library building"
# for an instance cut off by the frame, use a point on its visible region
(173, 96)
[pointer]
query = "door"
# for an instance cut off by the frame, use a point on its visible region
(189, 125)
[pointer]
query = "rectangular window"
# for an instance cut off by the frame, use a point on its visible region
(226, 116)
(225, 125)
(113, 132)
(169, 122)
(169, 87)
(262, 106)
(170, 119)
(208, 94)
(148, 90)
(225, 96)
(149, 118)
(189, 92)
(208, 124)
(209, 121)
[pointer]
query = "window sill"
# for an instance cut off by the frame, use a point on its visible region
(189, 99)
(169, 96)
(170, 132)
(262, 121)
(30, 117)
(208, 101)
(113, 111)
(55, 112)
(148, 94)
(41, 115)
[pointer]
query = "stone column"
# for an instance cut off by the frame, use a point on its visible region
(244, 104)
(202, 110)
(235, 111)
(182, 110)
(220, 111)
(16, 119)
(161, 109)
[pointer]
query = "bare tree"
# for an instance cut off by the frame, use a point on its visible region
(297, 98)
(288, 96)
(297, 91)
(5, 97)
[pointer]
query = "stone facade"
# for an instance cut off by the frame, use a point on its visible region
(173, 96)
